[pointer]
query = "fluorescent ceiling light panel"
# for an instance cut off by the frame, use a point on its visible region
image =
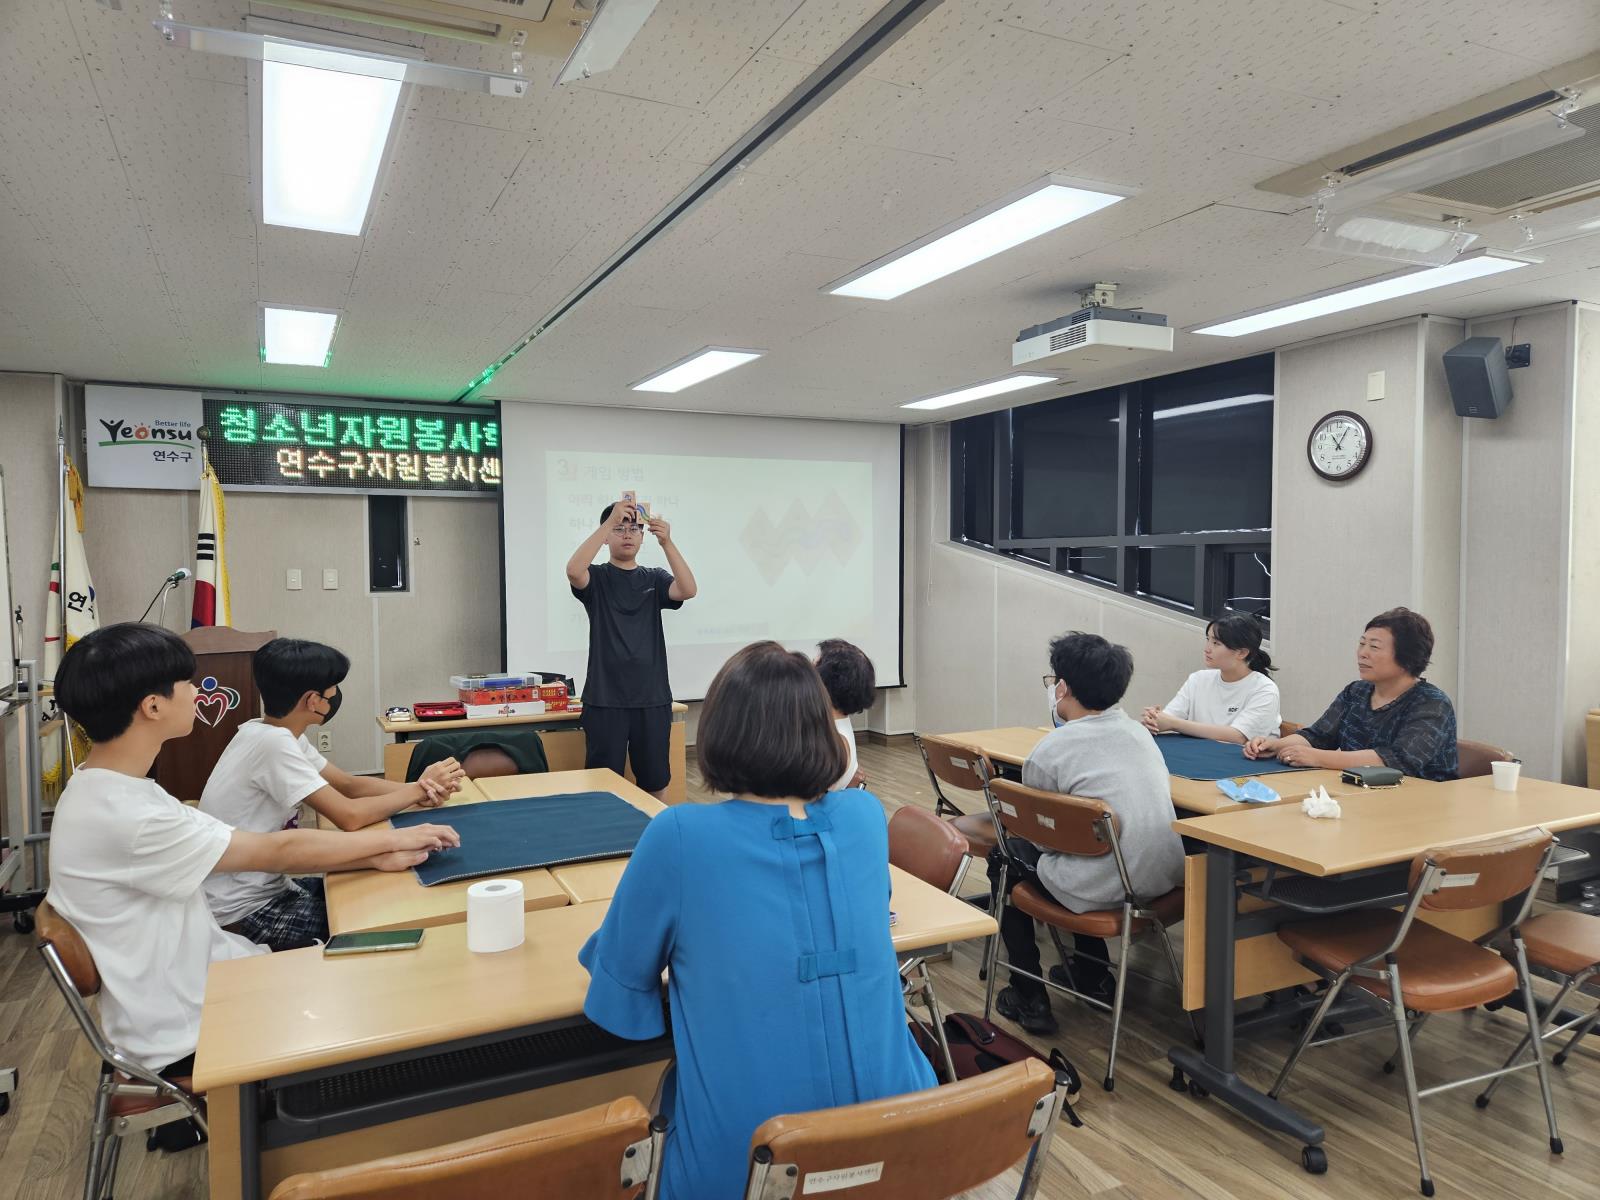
(980, 391)
(697, 368)
(1048, 205)
(1476, 265)
(1205, 406)
(323, 133)
(297, 337)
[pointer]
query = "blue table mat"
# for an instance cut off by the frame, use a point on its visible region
(1199, 758)
(499, 837)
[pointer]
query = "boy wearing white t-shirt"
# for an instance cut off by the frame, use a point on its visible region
(848, 675)
(127, 860)
(1235, 699)
(270, 768)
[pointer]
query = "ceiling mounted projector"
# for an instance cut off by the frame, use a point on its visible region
(1096, 335)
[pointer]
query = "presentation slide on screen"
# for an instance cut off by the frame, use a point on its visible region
(791, 528)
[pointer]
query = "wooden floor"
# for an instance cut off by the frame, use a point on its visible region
(1142, 1142)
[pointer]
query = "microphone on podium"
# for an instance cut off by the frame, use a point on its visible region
(167, 584)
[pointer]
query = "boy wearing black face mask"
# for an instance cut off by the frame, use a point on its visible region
(270, 768)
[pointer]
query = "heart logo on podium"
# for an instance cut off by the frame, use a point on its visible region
(213, 703)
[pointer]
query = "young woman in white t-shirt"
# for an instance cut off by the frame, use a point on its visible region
(1234, 699)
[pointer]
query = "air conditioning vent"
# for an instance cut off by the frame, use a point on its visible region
(549, 28)
(1523, 181)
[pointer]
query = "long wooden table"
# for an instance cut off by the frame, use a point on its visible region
(1376, 829)
(362, 900)
(278, 1027)
(559, 732)
(1009, 747)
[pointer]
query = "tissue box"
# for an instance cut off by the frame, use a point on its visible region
(527, 708)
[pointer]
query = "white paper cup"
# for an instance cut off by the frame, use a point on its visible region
(1505, 775)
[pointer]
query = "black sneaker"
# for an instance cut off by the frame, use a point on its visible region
(1031, 1012)
(1096, 984)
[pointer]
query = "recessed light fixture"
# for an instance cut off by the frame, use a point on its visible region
(297, 337)
(1036, 210)
(697, 368)
(1474, 265)
(325, 120)
(1376, 235)
(980, 391)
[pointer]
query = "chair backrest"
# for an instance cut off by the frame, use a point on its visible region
(1285, 728)
(939, 1142)
(1474, 874)
(488, 762)
(52, 929)
(932, 850)
(951, 762)
(1064, 824)
(1473, 758)
(611, 1150)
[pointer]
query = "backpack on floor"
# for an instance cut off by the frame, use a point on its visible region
(977, 1046)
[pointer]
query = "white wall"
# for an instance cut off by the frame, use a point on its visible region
(1344, 552)
(1583, 608)
(1514, 566)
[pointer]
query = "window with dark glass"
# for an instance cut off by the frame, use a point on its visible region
(1161, 489)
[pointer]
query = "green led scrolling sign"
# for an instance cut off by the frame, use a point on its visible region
(274, 444)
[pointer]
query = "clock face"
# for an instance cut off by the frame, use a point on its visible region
(1339, 446)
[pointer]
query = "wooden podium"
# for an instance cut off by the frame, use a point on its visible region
(223, 660)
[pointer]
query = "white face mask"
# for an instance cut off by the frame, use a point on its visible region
(1055, 716)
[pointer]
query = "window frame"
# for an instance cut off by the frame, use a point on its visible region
(1134, 501)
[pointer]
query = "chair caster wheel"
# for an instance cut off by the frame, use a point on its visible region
(1197, 1090)
(22, 921)
(1556, 1147)
(1314, 1159)
(1559, 1060)
(1110, 1084)
(1483, 1100)
(1177, 1083)
(1427, 1187)
(1388, 1067)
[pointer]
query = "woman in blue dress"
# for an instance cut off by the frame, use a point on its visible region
(770, 913)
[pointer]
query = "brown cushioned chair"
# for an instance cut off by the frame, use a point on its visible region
(922, 845)
(612, 1150)
(1403, 965)
(130, 1097)
(968, 768)
(1473, 758)
(1087, 828)
(935, 1143)
(1565, 944)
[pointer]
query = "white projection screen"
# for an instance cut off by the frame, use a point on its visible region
(792, 529)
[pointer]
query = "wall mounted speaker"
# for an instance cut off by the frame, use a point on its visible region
(1480, 384)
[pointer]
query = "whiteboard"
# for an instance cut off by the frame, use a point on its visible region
(8, 642)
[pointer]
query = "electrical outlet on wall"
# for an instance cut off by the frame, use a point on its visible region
(324, 741)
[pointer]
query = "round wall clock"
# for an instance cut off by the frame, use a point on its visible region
(1340, 445)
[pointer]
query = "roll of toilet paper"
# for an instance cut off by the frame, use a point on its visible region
(494, 915)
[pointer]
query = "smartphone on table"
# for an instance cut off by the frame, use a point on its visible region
(372, 943)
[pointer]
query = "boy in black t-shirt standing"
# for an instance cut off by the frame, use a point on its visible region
(627, 700)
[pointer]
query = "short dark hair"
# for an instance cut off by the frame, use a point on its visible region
(847, 674)
(1413, 638)
(106, 675)
(765, 729)
(288, 668)
(1241, 631)
(1095, 671)
(605, 513)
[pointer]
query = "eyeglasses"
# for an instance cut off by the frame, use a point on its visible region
(628, 527)
(1050, 681)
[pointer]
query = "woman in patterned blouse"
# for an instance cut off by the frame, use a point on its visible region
(1389, 717)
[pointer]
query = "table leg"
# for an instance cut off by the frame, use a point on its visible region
(250, 1141)
(1213, 1069)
